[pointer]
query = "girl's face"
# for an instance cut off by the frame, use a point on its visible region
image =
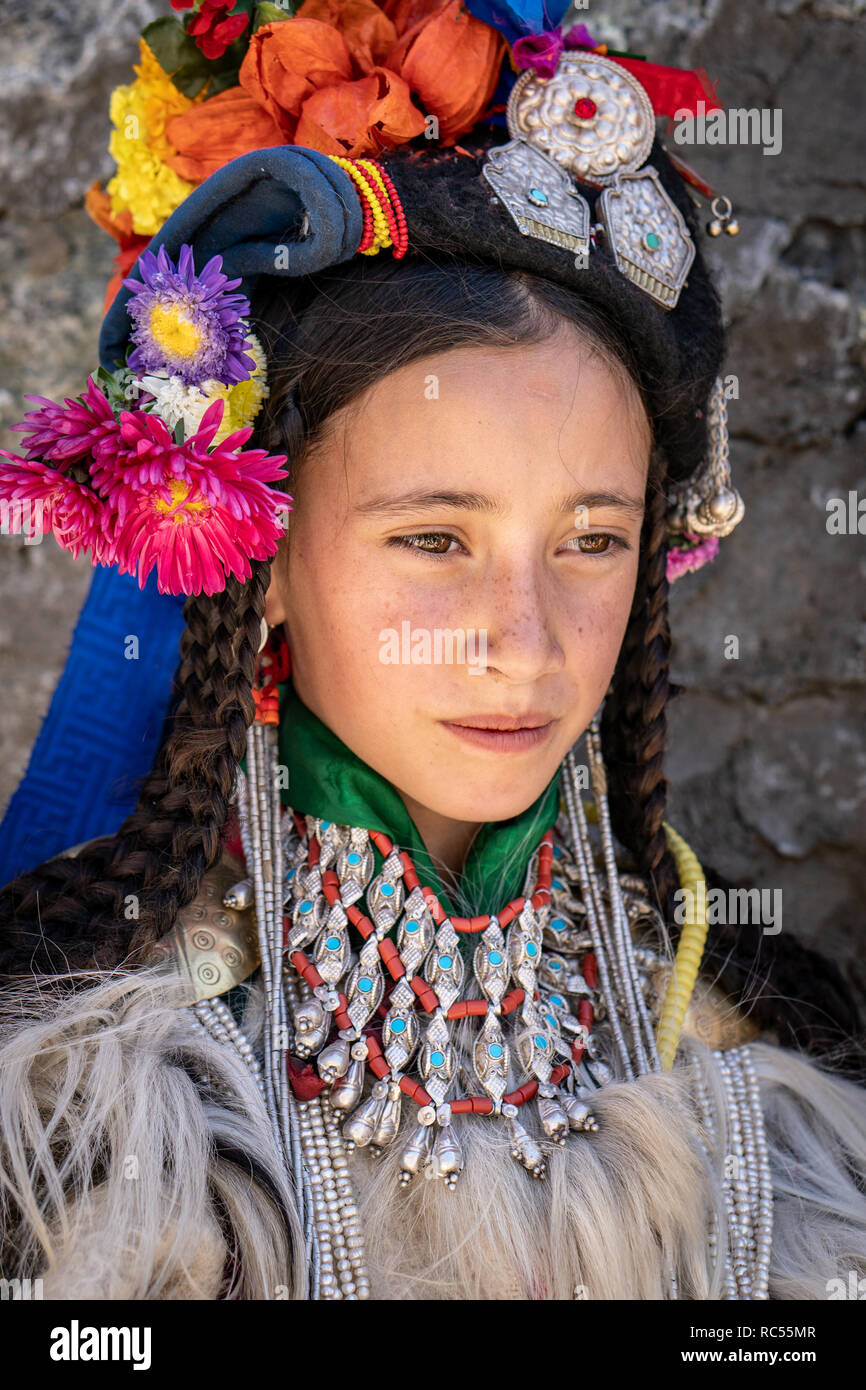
(486, 497)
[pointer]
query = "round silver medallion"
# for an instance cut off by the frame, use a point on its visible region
(592, 117)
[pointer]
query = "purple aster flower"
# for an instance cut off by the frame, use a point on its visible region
(187, 324)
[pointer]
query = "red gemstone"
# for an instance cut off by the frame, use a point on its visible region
(585, 108)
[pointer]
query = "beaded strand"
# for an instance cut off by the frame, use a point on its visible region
(384, 218)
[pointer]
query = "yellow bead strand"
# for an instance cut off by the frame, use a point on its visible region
(689, 952)
(381, 230)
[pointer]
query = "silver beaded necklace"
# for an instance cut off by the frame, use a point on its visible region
(588, 918)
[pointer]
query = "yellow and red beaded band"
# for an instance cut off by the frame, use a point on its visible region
(384, 220)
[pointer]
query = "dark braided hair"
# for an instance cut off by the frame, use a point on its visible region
(121, 893)
(634, 718)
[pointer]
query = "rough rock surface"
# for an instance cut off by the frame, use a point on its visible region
(768, 747)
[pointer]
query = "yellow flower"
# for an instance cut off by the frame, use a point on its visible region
(244, 399)
(144, 184)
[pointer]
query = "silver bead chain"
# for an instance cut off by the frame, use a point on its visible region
(747, 1187)
(313, 1149)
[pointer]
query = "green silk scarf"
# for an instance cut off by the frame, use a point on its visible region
(325, 778)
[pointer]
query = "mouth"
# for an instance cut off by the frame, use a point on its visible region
(502, 733)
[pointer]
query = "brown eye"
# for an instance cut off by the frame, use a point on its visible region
(439, 542)
(433, 543)
(597, 544)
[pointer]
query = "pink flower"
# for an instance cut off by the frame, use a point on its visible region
(682, 561)
(194, 544)
(69, 431)
(51, 500)
(542, 52)
(198, 516)
(145, 454)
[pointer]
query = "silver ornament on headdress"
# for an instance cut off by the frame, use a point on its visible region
(707, 503)
(591, 121)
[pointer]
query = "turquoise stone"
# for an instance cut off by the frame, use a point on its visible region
(558, 1000)
(387, 890)
(326, 824)
(557, 851)
(495, 958)
(558, 923)
(333, 943)
(365, 986)
(306, 905)
(436, 1059)
(538, 196)
(540, 1040)
(495, 1050)
(531, 949)
(554, 965)
(548, 1018)
(557, 883)
(652, 241)
(399, 1025)
(445, 962)
(353, 857)
(411, 926)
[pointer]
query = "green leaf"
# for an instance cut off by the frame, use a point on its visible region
(266, 13)
(171, 44)
(179, 434)
(222, 82)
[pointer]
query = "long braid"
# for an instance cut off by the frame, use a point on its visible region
(121, 893)
(634, 719)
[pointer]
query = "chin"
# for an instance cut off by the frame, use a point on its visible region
(477, 804)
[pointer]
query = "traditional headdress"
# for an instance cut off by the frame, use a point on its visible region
(254, 142)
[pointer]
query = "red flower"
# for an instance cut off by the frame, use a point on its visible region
(213, 27)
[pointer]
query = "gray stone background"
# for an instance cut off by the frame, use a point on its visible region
(767, 752)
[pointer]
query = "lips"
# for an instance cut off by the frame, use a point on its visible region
(518, 738)
(503, 723)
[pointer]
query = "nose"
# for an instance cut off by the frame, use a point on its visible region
(518, 603)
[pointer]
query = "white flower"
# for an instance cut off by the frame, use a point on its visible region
(174, 401)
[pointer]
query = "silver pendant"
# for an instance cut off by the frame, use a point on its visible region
(647, 234)
(592, 117)
(540, 197)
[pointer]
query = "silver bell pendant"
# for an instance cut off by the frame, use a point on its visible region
(553, 1118)
(721, 220)
(523, 1147)
(389, 1120)
(359, 1129)
(416, 1154)
(346, 1091)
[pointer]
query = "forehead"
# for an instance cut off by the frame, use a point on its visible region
(555, 408)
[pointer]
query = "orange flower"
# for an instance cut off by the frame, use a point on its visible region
(207, 136)
(97, 204)
(404, 14)
(452, 60)
(289, 60)
(368, 31)
(360, 118)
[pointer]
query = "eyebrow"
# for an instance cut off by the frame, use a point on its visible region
(480, 502)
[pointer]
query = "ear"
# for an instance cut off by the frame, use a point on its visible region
(275, 608)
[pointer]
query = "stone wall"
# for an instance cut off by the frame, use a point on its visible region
(768, 750)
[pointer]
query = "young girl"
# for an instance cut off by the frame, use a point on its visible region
(396, 983)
